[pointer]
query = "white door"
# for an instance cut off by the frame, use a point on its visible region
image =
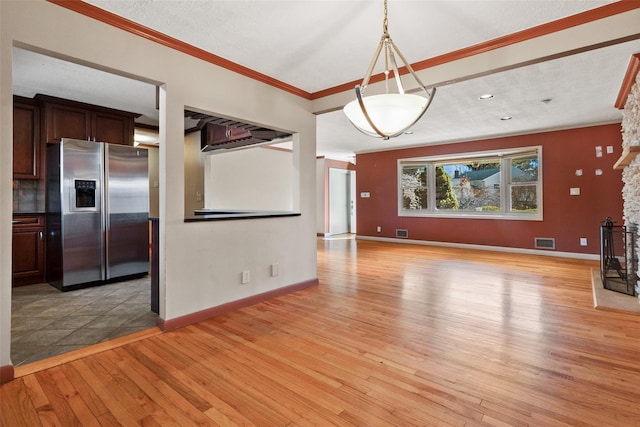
(352, 202)
(339, 201)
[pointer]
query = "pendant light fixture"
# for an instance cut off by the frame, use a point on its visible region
(390, 114)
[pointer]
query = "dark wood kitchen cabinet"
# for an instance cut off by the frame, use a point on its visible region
(28, 250)
(69, 119)
(27, 146)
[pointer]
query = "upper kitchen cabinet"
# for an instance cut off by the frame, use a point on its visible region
(77, 120)
(26, 139)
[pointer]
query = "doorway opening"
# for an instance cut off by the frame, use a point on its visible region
(342, 206)
(46, 321)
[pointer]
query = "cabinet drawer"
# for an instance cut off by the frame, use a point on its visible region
(22, 221)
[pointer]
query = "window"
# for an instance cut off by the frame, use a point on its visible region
(503, 184)
(414, 187)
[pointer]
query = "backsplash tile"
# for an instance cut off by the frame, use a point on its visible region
(28, 195)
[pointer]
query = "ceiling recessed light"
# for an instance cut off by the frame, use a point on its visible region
(486, 96)
(506, 118)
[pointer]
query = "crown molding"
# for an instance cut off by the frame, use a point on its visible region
(500, 42)
(132, 27)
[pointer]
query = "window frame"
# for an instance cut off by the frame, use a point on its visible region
(505, 157)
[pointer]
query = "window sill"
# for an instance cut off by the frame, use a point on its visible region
(448, 215)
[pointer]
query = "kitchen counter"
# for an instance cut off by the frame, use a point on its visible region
(227, 214)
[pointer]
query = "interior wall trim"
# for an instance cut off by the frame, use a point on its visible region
(132, 27)
(117, 21)
(628, 81)
(500, 42)
(199, 316)
(50, 362)
(6, 374)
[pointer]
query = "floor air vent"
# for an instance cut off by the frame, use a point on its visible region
(402, 233)
(545, 243)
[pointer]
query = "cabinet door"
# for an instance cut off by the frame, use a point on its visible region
(28, 256)
(26, 141)
(112, 128)
(66, 121)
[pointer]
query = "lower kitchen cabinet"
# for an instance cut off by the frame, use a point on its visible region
(28, 250)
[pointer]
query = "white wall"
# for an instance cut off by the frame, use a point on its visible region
(320, 196)
(193, 174)
(256, 178)
(187, 284)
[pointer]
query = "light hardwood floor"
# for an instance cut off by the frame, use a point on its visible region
(394, 335)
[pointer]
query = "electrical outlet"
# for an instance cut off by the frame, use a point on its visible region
(246, 277)
(583, 241)
(574, 191)
(274, 269)
(378, 229)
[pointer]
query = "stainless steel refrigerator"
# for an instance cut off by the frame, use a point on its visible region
(97, 213)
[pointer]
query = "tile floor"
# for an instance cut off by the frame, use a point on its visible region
(46, 322)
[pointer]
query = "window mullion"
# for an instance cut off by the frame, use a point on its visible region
(431, 187)
(505, 185)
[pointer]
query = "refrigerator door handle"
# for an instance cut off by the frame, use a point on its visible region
(106, 218)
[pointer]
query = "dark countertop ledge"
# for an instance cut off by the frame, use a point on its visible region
(224, 215)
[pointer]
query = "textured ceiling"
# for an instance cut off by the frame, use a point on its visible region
(318, 44)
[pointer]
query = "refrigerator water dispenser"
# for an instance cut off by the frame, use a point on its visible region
(85, 193)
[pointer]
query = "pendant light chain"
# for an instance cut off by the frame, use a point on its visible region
(385, 21)
(386, 39)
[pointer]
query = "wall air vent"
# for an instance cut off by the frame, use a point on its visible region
(545, 243)
(402, 233)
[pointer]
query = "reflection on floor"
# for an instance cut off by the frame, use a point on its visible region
(344, 236)
(46, 322)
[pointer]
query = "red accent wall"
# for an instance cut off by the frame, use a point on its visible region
(566, 218)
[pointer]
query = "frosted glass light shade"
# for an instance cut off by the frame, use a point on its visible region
(391, 113)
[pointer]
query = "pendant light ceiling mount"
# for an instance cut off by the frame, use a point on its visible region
(390, 114)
